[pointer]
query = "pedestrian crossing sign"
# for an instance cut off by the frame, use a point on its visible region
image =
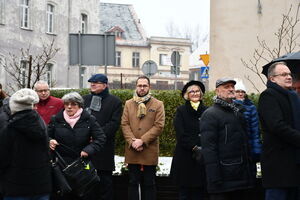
(204, 72)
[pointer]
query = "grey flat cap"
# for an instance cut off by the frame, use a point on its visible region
(223, 81)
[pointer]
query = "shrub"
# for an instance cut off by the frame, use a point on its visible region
(171, 98)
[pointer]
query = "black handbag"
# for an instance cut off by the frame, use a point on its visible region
(81, 175)
(59, 182)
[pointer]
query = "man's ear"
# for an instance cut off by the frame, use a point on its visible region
(272, 79)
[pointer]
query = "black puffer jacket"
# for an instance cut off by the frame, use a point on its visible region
(225, 150)
(26, 163)
(185, 170)
(85, 136)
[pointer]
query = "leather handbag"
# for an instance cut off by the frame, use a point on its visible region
(81, 175)
(59, 182)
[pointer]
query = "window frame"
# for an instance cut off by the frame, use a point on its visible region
(50, 17)
(118, 58)
(2, 12)
(25, 14)
(135, 59)
(83, 23)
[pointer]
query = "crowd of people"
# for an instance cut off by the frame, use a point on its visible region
(218, 148)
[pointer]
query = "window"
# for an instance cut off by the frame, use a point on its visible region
(2, 11)
(84, 20)
(135, 59)
(118, 58)
(164, 59)
(119, 34)
(49, 72)
(22, 76)
(50, 18)
(24, 13)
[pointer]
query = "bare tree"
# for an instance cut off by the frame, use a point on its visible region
(195, 34)
(27, 68)
(286, 39)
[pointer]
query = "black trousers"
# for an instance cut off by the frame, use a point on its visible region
(143, 176)
(191, 193)
(234, 195)
(104, 190)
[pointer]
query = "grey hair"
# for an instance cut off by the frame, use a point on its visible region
(73, 97)
(271, 69)
(186, 94)
(40, 82)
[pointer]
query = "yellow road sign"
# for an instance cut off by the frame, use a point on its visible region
(205, 59)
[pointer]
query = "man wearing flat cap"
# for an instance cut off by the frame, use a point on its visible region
(225, 146)
(107, 109)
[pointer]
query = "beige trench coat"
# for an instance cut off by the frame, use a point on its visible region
(148, 129)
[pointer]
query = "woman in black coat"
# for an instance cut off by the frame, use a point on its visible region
(187, 166)
(74, 132)
(24, 150)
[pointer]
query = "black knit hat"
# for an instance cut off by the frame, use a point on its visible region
(188, 84)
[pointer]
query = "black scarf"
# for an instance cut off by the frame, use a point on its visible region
(293, 99)
(295, 104)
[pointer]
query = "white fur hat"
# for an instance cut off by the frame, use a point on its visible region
(240, 85)
(23, 99)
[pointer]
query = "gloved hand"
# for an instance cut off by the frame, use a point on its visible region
(197, 154)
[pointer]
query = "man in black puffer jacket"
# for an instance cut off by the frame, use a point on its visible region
(24, 158)
(225, 146)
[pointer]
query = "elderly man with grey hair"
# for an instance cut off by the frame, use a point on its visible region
(74, 132)
(48, 105)
(225, 146)
(279, 113)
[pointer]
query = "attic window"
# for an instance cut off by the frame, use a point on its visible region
(119, 34)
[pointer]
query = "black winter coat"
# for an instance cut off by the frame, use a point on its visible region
(85, 136)
(225, 150)
(280, 140)
(27, 169)
(185, 170)
(109, 118)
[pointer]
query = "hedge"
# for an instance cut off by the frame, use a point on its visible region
(171, 98)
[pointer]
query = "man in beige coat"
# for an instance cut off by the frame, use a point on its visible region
(142, 122)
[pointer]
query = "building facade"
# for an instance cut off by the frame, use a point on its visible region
(234, 28)
(35, 23)
(133, 49)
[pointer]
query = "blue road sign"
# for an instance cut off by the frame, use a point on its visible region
(204, 72)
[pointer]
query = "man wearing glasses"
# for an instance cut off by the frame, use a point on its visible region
(279, 113)
(48, 105)
(107, 109)
(142, 122)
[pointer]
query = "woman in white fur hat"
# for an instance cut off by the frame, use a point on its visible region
(251, 117)
(24, 159)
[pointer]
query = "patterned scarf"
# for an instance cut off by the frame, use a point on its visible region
(233, 106)
(142, 111)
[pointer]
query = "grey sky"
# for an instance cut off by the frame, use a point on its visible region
(156, 14)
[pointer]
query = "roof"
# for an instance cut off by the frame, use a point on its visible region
(122, 16)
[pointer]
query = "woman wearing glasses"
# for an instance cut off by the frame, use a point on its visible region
(187, 167)
(74, 132)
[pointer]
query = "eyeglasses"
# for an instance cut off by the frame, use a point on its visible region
(41, 91)
(194, 92)
(283, 74)
(142, 86)
(71, 104)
